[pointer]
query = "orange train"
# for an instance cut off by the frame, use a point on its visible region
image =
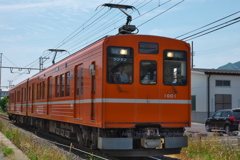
(123, 94)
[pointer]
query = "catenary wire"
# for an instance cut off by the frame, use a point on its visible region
(207, 24)
(189, 37)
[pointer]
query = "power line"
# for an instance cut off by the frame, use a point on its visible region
(207, 24)
(161, 13)
(187, 38)
(91, 22)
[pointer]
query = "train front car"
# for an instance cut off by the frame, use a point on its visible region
(146, 98)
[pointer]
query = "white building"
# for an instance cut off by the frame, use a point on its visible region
(3, 93)
(212, 90)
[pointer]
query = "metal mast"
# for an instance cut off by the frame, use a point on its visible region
(1, 70)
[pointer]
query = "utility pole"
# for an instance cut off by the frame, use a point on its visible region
(41, 61)
(1, 69)
(10, 84)
(0, 73)
(192, 54)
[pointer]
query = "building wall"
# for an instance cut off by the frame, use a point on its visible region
(199, 89)
(234, 89)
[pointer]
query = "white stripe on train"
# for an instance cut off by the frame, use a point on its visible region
(114, 100)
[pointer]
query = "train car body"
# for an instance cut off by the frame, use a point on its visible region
(124, 94)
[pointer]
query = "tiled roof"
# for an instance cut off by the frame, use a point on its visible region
(217, 71)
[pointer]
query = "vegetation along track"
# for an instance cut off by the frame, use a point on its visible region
(69, 148)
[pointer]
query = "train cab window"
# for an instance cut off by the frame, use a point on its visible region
(175, 68)
(148, 48)
(120, 65)
(148, 72)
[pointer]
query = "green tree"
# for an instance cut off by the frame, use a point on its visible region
(4, 104)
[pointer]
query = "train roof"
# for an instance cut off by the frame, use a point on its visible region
(101, 39)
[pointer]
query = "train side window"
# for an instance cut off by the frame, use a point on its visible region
(21, 95)
(38, 91)
(79, 79)
(25, 95)
(33, 91)
(68, 84)
(49, 87)
(148, 48)
(120, 65)
(175, 68)
(148, 70)
(57, 85)
(62, 85)
(29, 93)
(43, 90)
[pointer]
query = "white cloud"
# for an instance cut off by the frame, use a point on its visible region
(6, 27)
(44, 4)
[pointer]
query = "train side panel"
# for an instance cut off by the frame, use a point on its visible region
(53, 94)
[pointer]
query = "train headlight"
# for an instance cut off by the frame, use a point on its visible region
(170, 54)
(123, 52)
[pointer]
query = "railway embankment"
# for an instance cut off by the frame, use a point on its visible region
(16, 153)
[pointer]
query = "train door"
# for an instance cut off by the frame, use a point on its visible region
(147, 64)
(49, 95)
(79, 90)
(93, 90)
(148, 90)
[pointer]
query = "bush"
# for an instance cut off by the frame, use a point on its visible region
(3, 104)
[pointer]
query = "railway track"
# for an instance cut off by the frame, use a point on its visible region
(79, 152)
(71, 146)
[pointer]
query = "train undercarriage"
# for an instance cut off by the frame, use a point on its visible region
(143, 140)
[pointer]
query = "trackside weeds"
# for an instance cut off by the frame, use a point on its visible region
(210, 148)
(30, 146)
(201, 148)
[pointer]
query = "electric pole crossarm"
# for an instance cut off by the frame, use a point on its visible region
(20, 68)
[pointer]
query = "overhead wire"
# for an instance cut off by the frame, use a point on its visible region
(90, 25)
(161, 13)
(77, 32)
(139, 16)
(99, 30)
(208, 24)
(199, 34)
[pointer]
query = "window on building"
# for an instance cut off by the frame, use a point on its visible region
(223, 83)
(223, 101)
(193, 103)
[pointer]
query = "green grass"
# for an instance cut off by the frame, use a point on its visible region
(210, 148)
(30, 146)
(7, 151)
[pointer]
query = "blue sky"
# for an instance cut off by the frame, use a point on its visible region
(29, 27)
